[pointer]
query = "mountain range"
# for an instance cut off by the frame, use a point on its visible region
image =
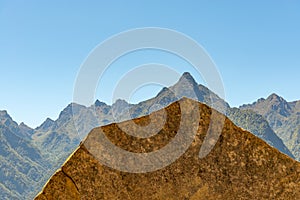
(283, 117)
(22, 165)
(45, 148)
(240, 166)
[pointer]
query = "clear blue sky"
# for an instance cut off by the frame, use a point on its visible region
(255, 45)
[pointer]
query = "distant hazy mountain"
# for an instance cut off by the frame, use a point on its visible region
(283, 117)
(241, 166)
(22, 166)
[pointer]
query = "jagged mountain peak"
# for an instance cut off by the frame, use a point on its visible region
(23, 124)
(71, 109)
(184, 87)
(187, 87)
(120, 102)
(49, 120)
(273, 104)
(4, 115)
(99, 103)
(279, 105)
(163, 91)
(119, 105)
(6, 120)
(119, 108)
(23, 127)
(46, 125)
(261, 100)
(275, 97)
(187, 78)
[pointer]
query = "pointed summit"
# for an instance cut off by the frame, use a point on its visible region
(47, 125)
(119, 108)
(99, 103)
(274, 96)
(163, 91)
(120, 102)
(23, 124)
(278, 104)
(187, 87)
(274, 105)
(70, 110)
(187, 77)
(25, 129)
(4, 115)
(3, 112)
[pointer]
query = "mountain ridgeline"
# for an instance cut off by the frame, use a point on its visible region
(283, 117)
(44, 149)
(240, 166)
(22, 165)
(63, 135)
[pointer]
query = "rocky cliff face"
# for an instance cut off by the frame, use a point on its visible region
(240, 166)
(275, 109)
(283, 117)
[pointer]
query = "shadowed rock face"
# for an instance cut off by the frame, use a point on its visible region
(240, 166)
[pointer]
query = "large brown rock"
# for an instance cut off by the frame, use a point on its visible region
(240, 166)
